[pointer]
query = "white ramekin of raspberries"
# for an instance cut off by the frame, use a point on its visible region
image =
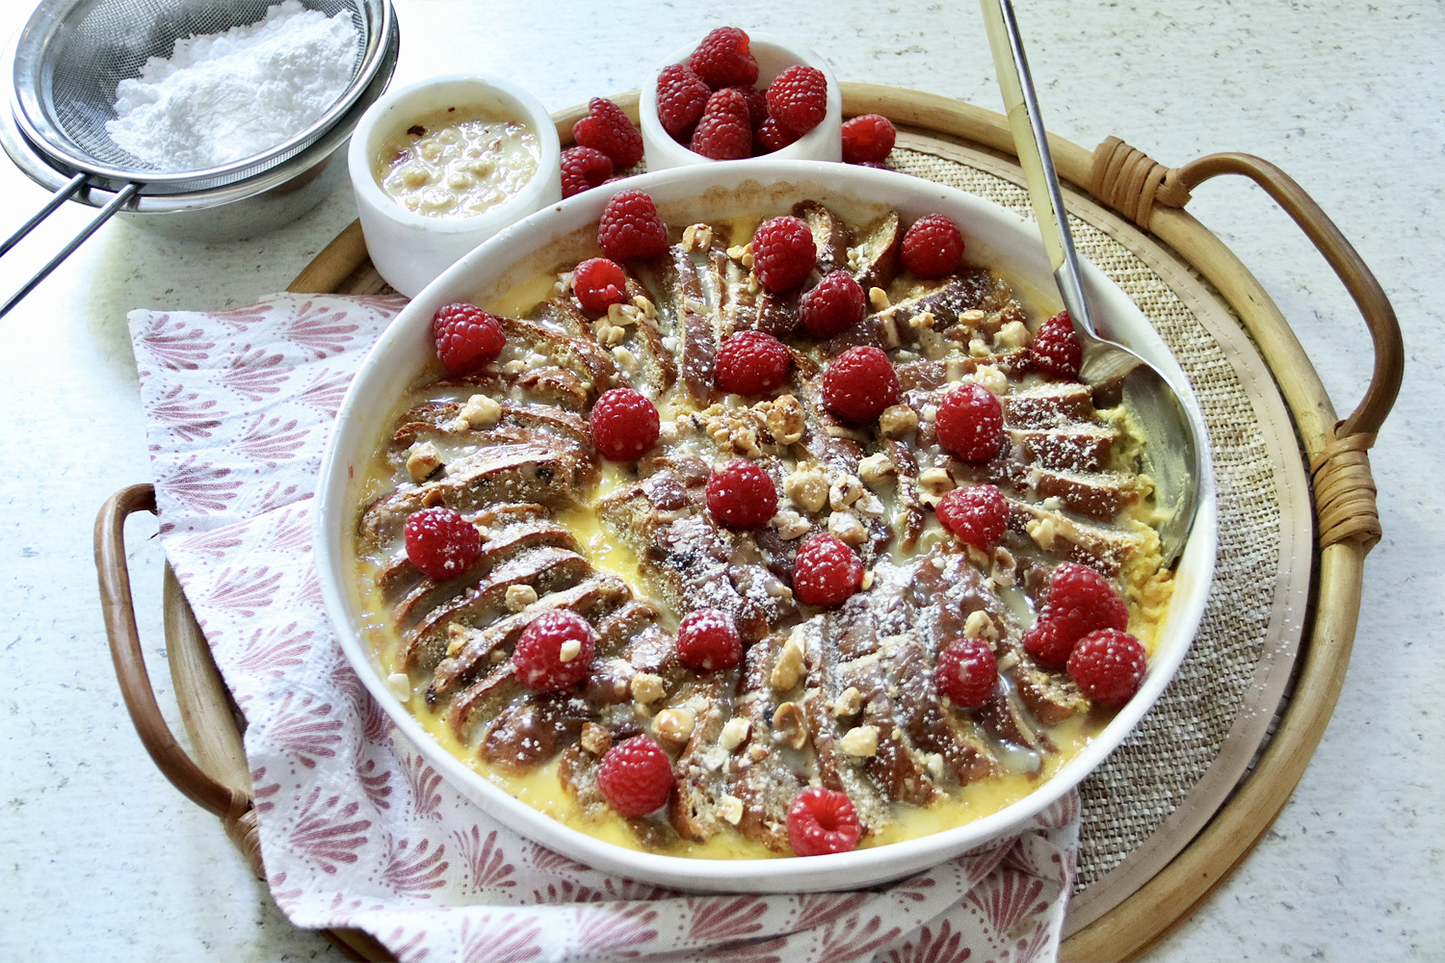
(712, 101)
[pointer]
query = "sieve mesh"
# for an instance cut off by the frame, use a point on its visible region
(68, 66)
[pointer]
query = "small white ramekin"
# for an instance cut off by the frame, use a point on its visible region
(774, 55)
(408, 249)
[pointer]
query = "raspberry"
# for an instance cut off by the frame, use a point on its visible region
(467, 338)
(742, 495)
(707, 640)
(635, 776)
(623, 425)
(583, 169)
(555, 651)
(440, 542)
(723, 59)
(932, 246)
(1080, 598)
(1079, 601)
(757, 101)
(798, 98)
(967, 672)
(822, 821)
(607, 129)
(751, 363)
(783, 253)
(970, 422)
(977, 515)
(771, 136)
(860, 383)
(1056, 349)
(681, 96)
(631, 227)
(833, 305)
(1049, 643)
(826, 571)
(867, 139)
(724, 132)
(1108, 665)
(599, 283)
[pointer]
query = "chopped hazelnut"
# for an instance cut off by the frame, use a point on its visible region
(790, 525)
(862, 741)
(422, 460)
(697, 237)
(520, 596)
(847, 528)
(674, 725)
(791, 724)
(788, 670)
(731, 808)
(647, 688)
(1042, 532)
(848, 703)
(978, 625)
(480, 411)
(807, 488)
(992, 379)
(1011, 336)
(785, 420)
(875, 468)
(734, 733)
(897, 421)
(399, 684)
(877, 299)
(596, 739)
(844, 491)
(935, 481)
(626, 360)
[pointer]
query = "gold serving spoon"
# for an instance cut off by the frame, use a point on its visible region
(1171, 449)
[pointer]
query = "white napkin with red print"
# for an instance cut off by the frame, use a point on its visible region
(356, 829)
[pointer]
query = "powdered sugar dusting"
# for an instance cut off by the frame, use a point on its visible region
(227, 96)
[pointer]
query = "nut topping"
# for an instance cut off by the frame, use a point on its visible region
(791, 724)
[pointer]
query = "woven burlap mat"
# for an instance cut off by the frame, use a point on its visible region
(1220, 694)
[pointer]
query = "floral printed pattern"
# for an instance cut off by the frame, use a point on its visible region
(356, 829)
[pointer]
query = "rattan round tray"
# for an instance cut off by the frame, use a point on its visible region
(1173, 811)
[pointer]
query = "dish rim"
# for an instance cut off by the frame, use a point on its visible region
(1007, 236)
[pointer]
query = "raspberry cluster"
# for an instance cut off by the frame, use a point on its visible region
(712, 102)
(1083, 627)
(606, 141)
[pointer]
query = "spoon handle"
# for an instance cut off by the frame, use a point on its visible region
(1032, 143)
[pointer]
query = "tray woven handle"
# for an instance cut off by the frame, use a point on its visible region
(199, 687)
(1136, 186)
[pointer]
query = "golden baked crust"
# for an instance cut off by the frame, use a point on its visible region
(842, 697)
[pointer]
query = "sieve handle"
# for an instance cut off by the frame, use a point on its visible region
(60, 197)
(116, 203)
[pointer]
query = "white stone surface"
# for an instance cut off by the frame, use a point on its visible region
(103, 859)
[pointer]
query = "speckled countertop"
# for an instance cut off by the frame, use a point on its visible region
(101, 858)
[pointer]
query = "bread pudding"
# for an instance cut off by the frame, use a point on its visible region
(677, 549)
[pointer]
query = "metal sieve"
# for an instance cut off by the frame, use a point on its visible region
(70, 56)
